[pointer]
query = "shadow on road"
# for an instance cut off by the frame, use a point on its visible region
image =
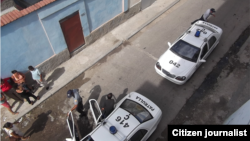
(39, 124)
(125, 91)
(94, 94)
(54, 76)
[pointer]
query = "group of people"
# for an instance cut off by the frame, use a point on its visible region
(106, 108)
(15, 87)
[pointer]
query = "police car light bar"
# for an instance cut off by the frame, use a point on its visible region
(197, 34)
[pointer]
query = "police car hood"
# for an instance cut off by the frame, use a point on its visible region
(122, 120)
(181, 66)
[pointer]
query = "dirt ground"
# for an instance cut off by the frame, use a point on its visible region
(43, 124)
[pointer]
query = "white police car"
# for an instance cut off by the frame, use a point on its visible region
(187, 53)
(134, 118)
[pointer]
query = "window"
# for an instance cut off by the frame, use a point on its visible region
(211, 41)
(204, 51)
(22, 4)
(138, 111)
(186, 51)
(88, 138)
(138, 135)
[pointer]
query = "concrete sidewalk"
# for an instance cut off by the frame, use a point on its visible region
(89, 56)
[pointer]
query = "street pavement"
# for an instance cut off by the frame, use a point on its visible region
(89, 56)
(130, 66)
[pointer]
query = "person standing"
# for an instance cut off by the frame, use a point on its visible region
(19, 79)
(36, 75)
(77, 101)
(108, 105)
(205, 16)
(7, 89)
(14, 132)
(26, 94)
(6, 104)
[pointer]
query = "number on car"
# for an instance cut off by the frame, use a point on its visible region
(174, 63)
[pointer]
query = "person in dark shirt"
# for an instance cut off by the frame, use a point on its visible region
(26, 94)
(108, 106)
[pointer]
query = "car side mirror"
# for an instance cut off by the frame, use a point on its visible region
(169, 44)
(202, 61)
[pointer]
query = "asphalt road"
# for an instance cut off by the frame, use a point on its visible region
(131, 68)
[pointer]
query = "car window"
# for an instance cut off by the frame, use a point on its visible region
(186, 50)
(138, 135)
(204, 51)
(211, 41)
(88, 139)
(138, 111)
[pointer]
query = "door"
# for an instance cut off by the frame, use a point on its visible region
(204, 52)
(72, 31)
(203, 55)
(95, 110)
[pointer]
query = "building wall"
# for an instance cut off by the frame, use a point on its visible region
(23, 43)
(51, 16)
(37, 39)
(101, 11)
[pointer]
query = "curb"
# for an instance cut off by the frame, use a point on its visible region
(152, 19)
(115, 46)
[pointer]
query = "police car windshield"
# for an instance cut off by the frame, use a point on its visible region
(186, 51)
(138, 111)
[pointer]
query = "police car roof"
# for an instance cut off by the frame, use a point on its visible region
(123, 130)
(190, 37)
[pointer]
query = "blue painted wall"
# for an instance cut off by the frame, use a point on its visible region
(25, 41)
(51, 16)
(101, 11)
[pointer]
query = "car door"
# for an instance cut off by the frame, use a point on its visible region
(95, 110)
(212, 43)
(139, 135)
(203, 54)
(72, 128)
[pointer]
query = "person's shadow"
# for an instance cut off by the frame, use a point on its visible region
(125, 91)
(19, 105)
(54, 76)
(94, 94)
(39, 124)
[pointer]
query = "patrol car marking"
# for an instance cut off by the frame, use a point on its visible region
(203, 30)
(175, 64)
(145, 103)
(125, 118)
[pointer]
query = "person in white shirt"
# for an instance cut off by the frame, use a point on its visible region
(205, 16)
(13, 131)
(36, 75)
